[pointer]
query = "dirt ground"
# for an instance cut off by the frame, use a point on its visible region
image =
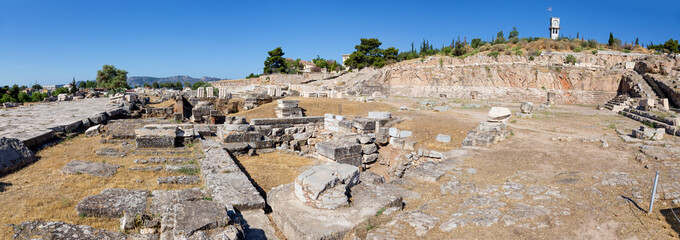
(319, 107)
(271, 170)
(559, 148)
(41, 192)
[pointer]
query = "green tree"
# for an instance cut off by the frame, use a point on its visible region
(147, 85)
(275, 63)
(391, 53)
(155, 85)
(320, 62)
(368, 53)
(476, 42)
(7, 98)
(570, 59)
(499, 38)
(74, 87)
(637, 41)
(611, 40)
(23, 97)
(37, 97)
(252, 76)
(112, 78)
(36, 86)
(14, 91)
(515, 34)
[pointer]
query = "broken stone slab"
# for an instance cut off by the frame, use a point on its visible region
(14, 154)
(371, 177)
(498, 114)
(431, 171)
(194, 216)
(393, 132)
(234, 189)
(257, 225)
(112, 203)
(341, 151)
(163, 201)
(181, 168)
(61, 230)
(91, 168)
(420, 221)
(443, 138)
(326, 186)
(179, 180)
(299, 221)
(366, 139)
(164, 160)
(110, 152)
(147, 168)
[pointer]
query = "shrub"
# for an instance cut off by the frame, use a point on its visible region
(594, 52)
(531, 58)
(494, 54)
(578, 49)
(570, 59)
(626, 51)
(519, 53)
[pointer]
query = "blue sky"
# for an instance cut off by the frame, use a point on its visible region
(51, 42)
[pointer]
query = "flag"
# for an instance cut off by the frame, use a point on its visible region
(549, 9)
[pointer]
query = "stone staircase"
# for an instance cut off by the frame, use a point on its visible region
(618, 103)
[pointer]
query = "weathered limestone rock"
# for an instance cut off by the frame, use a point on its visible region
(326, 186)
(341, 151)
(92, 168)
(299, 221)
(288, 108)
(526, 107)
(499, 114)
(110, 152)
(179, 180)
(61, 230)
(380, 115)
(112, 203)
(14, 154)
(181, 168)
(191, 217)
(156, 136)
(257, 225)
(369, 148)
(649, 133)
(370, 177)
(92, 131)
(443, 138)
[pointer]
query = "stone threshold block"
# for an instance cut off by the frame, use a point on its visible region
(156, 136)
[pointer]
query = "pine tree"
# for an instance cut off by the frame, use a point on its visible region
(611, 39)
(637, 42)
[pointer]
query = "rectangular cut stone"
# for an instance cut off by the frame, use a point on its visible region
(287, 121)
(341, 151)
(156, 136)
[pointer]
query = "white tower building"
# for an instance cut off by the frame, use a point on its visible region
(554, 27)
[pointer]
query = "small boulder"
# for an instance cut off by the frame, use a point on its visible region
(526, 107)
(443, 138)
(499, 114)
(92, 131)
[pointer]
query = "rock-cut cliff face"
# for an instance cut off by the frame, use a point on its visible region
(593, 80)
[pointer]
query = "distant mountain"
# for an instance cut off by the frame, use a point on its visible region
(139, 81)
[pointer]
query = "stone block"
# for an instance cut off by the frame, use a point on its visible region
(194, 216)
(156, 136)
(288, 103)
(370, 177)
(647, 103)
(14, 154)
(341, 151)
(394, 132)
(62, 230)
(397, 142)
(369, 148)
(405, 134)
(380, 115)
(443, 138)
(369, 158)
(410, 145)
(492, 126)
(113, 202)
(92, 131)
(526, 107)
(326, 186)
(92, 168)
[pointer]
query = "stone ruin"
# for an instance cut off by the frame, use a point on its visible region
(493, 130)
(525, 110)
(288, 108)
(256, 99)
(326, 186)
(203, 111)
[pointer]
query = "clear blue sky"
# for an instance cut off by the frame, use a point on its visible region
(50, 42)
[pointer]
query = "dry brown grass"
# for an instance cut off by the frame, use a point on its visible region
(426, 125)
(165, 104)
(41, 192)
(271, 170)
(319, 107)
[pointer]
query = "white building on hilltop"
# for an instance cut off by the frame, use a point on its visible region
(554, 28)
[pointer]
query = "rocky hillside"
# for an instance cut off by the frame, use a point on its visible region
(138, 81)
(594, 79)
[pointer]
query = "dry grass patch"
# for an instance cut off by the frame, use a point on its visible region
(41, 192)
(271, 170)
(426, 125)
(319, 107)
(165, 104)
